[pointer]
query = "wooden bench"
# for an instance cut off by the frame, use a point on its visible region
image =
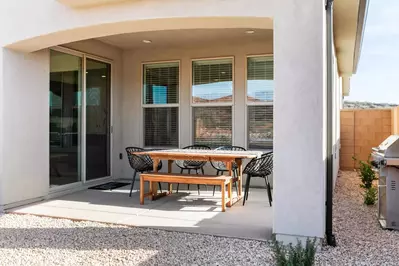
(187, 179)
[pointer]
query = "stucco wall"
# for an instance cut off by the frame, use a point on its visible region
(56, 23)
(25, 126)
(300, 119)
(132, 114)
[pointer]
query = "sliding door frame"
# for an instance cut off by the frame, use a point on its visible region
(83, 180)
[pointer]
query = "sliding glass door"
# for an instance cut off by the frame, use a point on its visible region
(65, 118)
(98, 77)
(80, 125)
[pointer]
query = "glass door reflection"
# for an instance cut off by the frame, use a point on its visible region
(98, 77)
(65, 118)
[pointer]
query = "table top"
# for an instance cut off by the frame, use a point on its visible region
(201, 154)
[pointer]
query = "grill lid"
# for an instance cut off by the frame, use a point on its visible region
(389, 147)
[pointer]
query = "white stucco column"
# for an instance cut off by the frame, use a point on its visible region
(24, 86)
(1, 130)
(299, 119)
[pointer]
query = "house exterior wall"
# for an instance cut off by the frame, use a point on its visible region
(56, 23)
(300, 78)
(300, 84)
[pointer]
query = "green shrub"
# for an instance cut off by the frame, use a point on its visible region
(370, 196)
(367, 175)
(298, 255)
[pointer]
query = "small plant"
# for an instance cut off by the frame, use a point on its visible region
(367, 176)
(370, 196)
(298, 255)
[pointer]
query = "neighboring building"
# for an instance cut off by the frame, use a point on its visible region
(82, 79)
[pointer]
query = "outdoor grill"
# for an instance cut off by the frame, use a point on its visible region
(385, 158)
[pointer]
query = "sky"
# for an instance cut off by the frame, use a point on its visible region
(377, 77)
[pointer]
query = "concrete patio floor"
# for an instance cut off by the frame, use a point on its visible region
(186, 211)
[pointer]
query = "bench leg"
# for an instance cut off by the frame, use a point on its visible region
(141, 191)
(223, 197)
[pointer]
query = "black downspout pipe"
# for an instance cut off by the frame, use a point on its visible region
(330, 156)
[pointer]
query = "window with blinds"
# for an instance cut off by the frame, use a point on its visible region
(260, 126)
(161, 83)
(161, 104)
(161, 127)
(260, 83)
(212, 125)
(212, 81)
(260, 93)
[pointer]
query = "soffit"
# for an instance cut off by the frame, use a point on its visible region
(89, 3)
(346, 34)
(185, 38)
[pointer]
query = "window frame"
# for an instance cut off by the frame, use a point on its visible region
(143, 105)
(220, 104)
(247, 103)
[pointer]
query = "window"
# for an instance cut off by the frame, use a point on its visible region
(212, 100)
(161, 104)
(260, 92)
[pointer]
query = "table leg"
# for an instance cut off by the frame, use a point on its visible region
(239, 172)
(239, 180)
(170, 188)
(230, 193)
(223, 197)
(153, 185)
(141, 190)
(230, 171)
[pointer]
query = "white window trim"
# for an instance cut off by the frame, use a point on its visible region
(247, 103)
(193, 105)
(143, 105)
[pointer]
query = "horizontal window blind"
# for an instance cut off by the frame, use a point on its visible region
(213, 125)
(260, 126)
(161, 127)
(212, 81)
(161, 83)
(260, 75)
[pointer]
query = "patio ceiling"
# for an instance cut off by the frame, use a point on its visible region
(186, 38)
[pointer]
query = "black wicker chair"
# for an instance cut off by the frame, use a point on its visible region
(259, 167)
(192, 165)
(221, 167)
(140, 164)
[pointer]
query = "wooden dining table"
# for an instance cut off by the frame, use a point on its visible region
(225, 156)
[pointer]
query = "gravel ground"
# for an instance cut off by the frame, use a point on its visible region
(31, 240)
(360, 239)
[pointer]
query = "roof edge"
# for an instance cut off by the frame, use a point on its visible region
(361, 25)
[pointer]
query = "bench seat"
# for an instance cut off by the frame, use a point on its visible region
(172, 178)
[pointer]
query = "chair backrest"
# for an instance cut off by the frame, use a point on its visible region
(262, 166)
(138, 162)
(189, 163)
(221, 166)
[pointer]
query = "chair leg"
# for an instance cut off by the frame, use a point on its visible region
(160, 187)
(269, 191)
(235, 184)
(188, 185)
(134, 178)
(246, 189)
(214, 187)
(198, 186)
(177, 188)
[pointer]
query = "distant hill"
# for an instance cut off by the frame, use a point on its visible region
(367, 105)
